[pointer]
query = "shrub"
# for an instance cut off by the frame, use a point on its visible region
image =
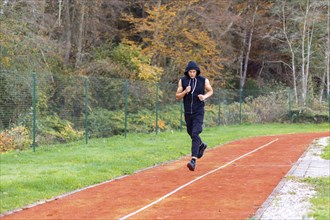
(305, 114)
(53, 129)
(105, 123)
(230, 113)
(170, 114)
(211, 116)
(143, 121)
(268, 108)
(17, 138)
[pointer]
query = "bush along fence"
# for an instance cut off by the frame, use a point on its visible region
(47, 109)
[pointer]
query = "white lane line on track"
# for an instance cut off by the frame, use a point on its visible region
(198, 178)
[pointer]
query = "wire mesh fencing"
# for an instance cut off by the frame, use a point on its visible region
(46, 108)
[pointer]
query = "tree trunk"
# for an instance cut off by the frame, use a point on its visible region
(322, 86)
(309, 31)
(240, 59)
(4, 4)
(59, 12)
(309, 46)
(247, 56)
(68, 33)
(80, 34)
(246, 48)
(155, 59)
(303, 60)
(293, 63)
(327, 58)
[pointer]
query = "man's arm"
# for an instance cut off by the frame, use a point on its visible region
(180, 93)
(209, 91)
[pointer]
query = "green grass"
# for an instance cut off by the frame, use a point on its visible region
(326, 152)
(27, 177)
(321, 203)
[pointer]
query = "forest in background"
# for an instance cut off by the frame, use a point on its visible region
(242, 44)
(105, 67)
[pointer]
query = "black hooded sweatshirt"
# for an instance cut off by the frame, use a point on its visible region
(191, 102)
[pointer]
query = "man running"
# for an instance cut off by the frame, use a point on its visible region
(194, 89)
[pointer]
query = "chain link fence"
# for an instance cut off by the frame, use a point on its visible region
(46, 108)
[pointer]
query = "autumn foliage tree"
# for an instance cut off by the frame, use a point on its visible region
(173, 34)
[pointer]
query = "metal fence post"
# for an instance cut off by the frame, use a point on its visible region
(34, 103)
(156, 107)
(219, 107)
(289, 100)
(240, 105)
(86, 110)
(126, 106)
(329, 106)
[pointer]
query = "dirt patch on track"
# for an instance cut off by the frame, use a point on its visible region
(230, 182)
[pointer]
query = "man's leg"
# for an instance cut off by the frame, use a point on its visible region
(189, 123)
(197, 128)
(201, 150)
(188, 120)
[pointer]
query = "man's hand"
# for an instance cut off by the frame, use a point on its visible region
(180, 93)
(188, 89)
(201, 97)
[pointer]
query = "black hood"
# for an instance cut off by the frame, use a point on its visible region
(192, 65)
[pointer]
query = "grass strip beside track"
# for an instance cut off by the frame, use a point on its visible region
(28, 177)
(321, 201)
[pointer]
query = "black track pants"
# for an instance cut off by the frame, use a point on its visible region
(194, 123)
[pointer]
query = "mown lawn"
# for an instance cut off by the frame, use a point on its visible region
(27, 177)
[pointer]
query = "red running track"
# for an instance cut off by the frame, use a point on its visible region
(231, 181)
